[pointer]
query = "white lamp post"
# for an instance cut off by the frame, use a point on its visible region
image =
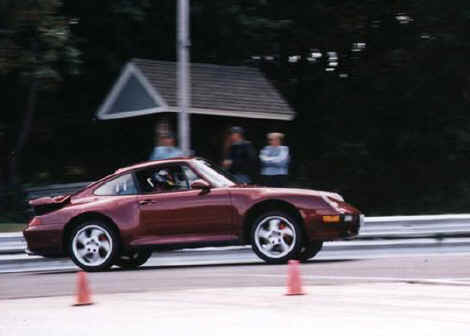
(184, 91)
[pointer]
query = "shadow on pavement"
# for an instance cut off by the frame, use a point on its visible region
(166, 267)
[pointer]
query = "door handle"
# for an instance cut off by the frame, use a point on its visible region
(147, 201)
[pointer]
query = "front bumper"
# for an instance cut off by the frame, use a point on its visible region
(317, 229)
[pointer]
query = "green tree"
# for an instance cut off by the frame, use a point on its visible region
(37, 49)
(387, 125)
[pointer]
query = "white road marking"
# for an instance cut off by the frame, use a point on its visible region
(450, 281)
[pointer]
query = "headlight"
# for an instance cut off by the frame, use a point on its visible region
(348, 218)
(338, 197)
(333, 203)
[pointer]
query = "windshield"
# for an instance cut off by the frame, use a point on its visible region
(217, 176)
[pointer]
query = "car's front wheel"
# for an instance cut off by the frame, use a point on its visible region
(276, 237)
(93, 246)
(133, 259)
(310, 250)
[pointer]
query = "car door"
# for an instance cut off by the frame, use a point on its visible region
(177, 214)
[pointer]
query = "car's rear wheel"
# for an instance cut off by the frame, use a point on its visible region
(93, 246)
(310, 250)
(276, 237)
(133, 259)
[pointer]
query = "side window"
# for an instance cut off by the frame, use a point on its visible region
(190, 175)
(162, 179)
(122, 185)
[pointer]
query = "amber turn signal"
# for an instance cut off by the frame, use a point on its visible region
(331, 219)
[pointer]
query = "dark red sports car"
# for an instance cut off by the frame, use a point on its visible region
(178, 203)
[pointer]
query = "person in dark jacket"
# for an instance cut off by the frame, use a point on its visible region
(241, 160)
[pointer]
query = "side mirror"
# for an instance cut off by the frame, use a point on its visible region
(201, 185)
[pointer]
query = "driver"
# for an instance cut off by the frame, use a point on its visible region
(162, 180)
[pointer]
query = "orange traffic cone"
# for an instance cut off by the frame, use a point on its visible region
(83, 292)
(294, 283)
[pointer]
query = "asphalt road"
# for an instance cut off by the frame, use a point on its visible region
(447, 269)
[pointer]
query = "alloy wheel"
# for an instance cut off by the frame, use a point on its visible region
(275, 237)
(92, 245)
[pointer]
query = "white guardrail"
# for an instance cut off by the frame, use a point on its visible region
(394, 227)
(427, 226)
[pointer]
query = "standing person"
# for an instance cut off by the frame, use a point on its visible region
(241, 160)
(274, 160)
(166, 148)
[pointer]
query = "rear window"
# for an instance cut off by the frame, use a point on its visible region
(122, 185)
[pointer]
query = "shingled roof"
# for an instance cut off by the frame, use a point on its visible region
(147, 86)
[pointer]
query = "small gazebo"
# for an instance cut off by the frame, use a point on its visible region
(221, 96)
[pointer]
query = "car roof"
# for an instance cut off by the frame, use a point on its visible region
(151, 163)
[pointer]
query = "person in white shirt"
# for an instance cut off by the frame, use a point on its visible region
(274, 160)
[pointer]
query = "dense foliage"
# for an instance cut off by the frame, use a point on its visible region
(381, 89)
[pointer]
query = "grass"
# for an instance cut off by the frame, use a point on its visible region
(12, 227)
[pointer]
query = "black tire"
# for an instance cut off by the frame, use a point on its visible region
(295, 245)
(111, 238)
(134, 259)
(310, 250)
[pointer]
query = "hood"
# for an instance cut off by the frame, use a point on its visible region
(294, 191)
(309, 192)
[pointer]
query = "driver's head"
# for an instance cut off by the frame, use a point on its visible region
(163, 178)
(160, 176)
